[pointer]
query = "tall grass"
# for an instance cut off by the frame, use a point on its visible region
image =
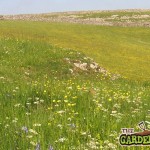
(43, 105)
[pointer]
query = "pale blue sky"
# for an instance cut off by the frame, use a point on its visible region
(43, 6)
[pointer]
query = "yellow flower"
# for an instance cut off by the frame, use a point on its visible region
(74, 97)
(69, 104)
(66, 101)
(49, 108)
(58, 101)
(110, 99)
(73, 104)
(49, 124)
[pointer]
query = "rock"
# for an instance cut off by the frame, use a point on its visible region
(1, 17)
(82, 66)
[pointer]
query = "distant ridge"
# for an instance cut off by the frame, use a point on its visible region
(126, 17)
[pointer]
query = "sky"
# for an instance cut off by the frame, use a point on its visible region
(44, 6)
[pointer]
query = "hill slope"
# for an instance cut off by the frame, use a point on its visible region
(47, 101)
(55, 96)
(122, 50)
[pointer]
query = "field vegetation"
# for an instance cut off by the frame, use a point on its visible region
(118, 49)
(54, 95)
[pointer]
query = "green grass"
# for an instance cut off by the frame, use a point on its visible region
(42, 101)
(118, 49)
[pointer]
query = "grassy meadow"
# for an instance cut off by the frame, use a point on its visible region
(47, 103)
(118, 49)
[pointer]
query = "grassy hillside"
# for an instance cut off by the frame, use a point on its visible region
(48, 101)
(121, 50)
(43, 103)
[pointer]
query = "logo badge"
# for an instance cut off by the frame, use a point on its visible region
(131, 138)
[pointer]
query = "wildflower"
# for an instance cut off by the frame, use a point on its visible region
(36, 102)
(37, 98)
(76, 113)
(114, 112)
(2, 78)
(93, 145)
(37, 125)
(74, 97)
(15, 120)
(83, 133)
(69, 119)
(78, 87)
(17, 88)
(72, 125)
(42, 101)
(109, 99)
(50, 108)
(65, 96)
(60, 126)
(33, 131)
(60, 112)
(89, 136)
(50, 148)
(7, 125)
(28, 114)
(33, 143)
(61, 140)
(17, 105)
(117, 106)
(147, 122)
(49, 123)
(58, 101)
(101, 147)
(66, 101)
(112, 146)
(24, 128)
(69, 104)
(74, 104)
(29, 136)
(70, 88)
(27, 73)
(37, 146)
(28, 103)
(14, 91)
(71, 70)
